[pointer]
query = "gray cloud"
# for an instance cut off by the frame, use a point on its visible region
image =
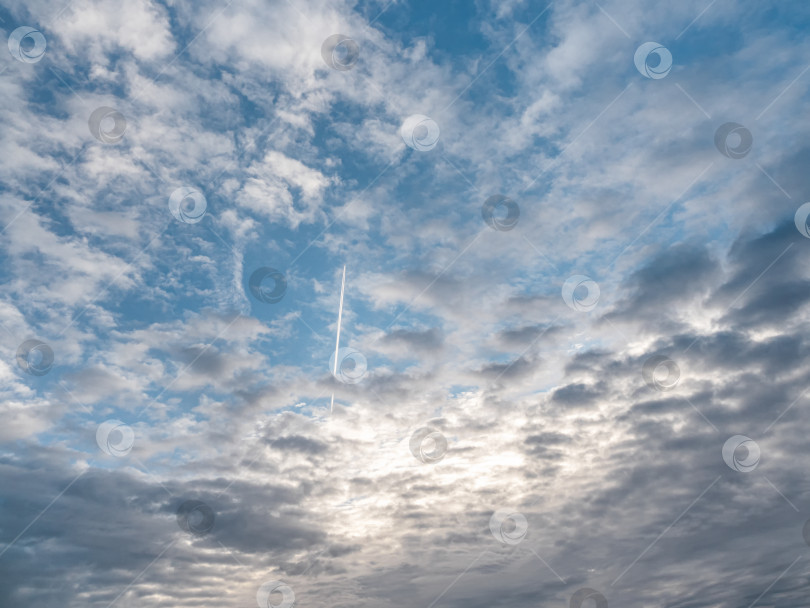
(545, 410)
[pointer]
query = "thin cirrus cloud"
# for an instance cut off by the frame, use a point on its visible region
(571, 281)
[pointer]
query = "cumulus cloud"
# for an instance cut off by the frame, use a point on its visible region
(491, 443)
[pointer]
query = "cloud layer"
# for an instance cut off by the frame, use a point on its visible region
(498, 432)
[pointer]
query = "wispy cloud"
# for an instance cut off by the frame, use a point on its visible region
(511, 442)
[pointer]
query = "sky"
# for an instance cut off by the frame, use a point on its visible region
(566, 364)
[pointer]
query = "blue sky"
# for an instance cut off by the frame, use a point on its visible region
(527, 400)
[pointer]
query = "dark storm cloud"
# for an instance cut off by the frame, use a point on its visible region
(770, 280)
(417, 341)
(547, 445)
(112, 524)
(512, 370)
(204, 360)
(623, 486)
(742, 385)
(522, 337)
(298, 443)
(576, 394)
(659, 291)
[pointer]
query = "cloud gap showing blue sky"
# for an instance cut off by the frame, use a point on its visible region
(571, 368)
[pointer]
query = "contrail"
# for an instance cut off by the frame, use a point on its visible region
(337, 340)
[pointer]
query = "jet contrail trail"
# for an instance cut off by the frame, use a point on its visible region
(337, 340)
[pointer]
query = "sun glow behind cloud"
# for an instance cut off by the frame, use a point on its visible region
(530, 210)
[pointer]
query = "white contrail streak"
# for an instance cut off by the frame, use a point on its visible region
(337, 340)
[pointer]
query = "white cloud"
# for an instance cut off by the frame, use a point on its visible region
(544, 409)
